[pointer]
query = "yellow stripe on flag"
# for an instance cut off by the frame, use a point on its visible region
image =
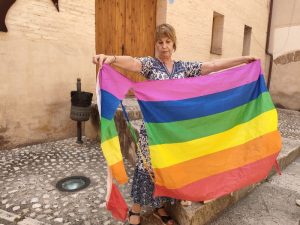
(112, 151)
(165, 155)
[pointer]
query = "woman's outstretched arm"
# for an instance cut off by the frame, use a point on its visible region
(221, 64)
(125, 62)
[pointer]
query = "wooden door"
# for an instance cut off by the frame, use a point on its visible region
(125, 27)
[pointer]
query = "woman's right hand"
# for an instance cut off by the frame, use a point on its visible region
(101, 58)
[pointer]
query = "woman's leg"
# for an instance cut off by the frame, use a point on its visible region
(161, 214)
(134, 214)
(136, 207)
(142, 185)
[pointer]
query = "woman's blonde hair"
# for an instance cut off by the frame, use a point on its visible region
(166, 30)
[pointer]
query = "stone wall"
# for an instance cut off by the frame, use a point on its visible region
(41, 55)
(193, 23)
(285, 47)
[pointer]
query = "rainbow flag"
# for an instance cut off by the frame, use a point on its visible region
(208, 135)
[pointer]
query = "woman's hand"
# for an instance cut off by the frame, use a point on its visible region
(249, 59)
(101, 58)
(122, 61)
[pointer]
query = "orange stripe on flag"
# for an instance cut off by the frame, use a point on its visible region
(222, 183)
(119, 173)
(194, 170)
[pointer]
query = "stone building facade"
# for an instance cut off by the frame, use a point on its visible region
(41, 55)
(44, 51)
(285, 47)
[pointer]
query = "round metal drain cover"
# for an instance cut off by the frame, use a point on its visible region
(74, 183)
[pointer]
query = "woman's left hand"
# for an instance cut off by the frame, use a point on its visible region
(249, 59)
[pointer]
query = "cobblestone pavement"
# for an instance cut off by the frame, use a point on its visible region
(28, 177)
(289, 124)
(272, 203)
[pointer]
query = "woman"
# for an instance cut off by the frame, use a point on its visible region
(161, 67)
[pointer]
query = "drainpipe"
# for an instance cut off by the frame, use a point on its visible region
(267, 45)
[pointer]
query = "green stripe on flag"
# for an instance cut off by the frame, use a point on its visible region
(180, 131)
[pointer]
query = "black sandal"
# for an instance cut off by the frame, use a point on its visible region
(164, 219)
(130, 213)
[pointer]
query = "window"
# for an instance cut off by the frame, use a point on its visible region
(247, 40)
(217, 34)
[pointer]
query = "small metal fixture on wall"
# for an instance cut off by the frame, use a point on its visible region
(5, 6)
(55, 2)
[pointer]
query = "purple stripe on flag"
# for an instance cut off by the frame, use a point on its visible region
(114, 82)
(198, 86)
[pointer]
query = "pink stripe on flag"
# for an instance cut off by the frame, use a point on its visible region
(221, 184)
(198, 86)
(114, 82)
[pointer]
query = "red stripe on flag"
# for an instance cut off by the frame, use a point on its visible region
(116, 204)
(221, 184)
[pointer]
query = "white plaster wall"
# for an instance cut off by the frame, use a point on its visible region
(285, 40)
(285, 46)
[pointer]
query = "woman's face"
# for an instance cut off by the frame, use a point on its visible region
(165, 47)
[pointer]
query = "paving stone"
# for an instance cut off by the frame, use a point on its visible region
(60, 220)
(25, 211)
(102, 205)
(15, 208)
(33, 200)
(37, 205)
(4, 201)
(41, 216)
(71, 214)
(7, 216)
(48, 211)
(82, 210)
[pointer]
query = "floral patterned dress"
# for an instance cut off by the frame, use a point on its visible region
(142, 186)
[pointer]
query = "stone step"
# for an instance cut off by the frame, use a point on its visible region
(8, 218)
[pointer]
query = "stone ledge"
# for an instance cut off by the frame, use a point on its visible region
(199, 214)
